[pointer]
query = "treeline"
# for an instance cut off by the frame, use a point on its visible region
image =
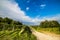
(48, 24)
(7, 23)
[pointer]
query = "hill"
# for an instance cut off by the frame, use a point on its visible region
(14, 30)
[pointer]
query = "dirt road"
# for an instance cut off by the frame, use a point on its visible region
(42, 36)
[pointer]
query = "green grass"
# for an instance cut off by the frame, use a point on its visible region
(14, 35)
(55, 30)
(51, 30)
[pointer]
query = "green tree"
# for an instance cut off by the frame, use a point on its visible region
(17, 23)
(1, 19)
(52, 23)
(7, 20)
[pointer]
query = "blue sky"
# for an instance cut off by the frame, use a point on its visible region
(50, 7)
(30, 12)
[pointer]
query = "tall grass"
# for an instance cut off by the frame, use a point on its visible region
(55, 30)
(14, 35)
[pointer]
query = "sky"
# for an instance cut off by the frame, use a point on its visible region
(30, 12)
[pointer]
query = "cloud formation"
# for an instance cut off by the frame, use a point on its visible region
(9, 8)
(42, 6)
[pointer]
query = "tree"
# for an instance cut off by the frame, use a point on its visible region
(7, 20)
(1, 19)
(17, 23)
(52, 23)
(44, 24)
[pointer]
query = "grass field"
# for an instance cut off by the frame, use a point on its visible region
(50, 30)
(55, 30)
(16, 35)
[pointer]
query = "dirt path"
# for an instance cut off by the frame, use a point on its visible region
(42, 36)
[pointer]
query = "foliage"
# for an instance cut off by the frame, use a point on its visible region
(14, 30)
(48, 24)
(7, 23)
(14, 35)
(55, 30)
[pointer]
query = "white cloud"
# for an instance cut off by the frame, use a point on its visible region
(27, 8)
(42, 6)
(49, 18)
(9, 8)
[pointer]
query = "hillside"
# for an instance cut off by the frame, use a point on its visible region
(14, 30)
